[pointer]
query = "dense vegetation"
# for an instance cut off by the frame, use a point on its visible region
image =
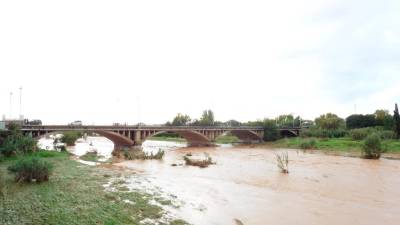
(70, 137)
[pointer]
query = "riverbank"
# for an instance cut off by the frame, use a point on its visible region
(337, 146)
(77, 194)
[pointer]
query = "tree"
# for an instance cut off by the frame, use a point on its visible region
(181, 120)
(380, 116)
(285, 120)
(271, 132)
(360, 121)
(207, 119)
(329, 121)
(233, 123)
(396, 118)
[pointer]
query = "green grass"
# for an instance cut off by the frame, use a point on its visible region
(90, 156)
(73, 195)
(336, 144)
(174, 139)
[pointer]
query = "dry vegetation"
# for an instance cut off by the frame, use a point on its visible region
(202, 163)
(282, 160)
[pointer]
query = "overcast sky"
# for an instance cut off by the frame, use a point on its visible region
(123, 61)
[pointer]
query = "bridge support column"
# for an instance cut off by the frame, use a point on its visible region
(138, 137)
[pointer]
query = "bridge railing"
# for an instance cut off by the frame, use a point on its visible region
(135, 127)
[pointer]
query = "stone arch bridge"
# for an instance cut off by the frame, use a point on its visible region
(129, 136)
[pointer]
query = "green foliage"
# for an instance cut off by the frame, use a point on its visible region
(285, 120)
(308, 143)
(323, 133)
(232, 123)
(396, 119)
(29, 168)
(141, 155)
(207, 119)
(271, 132)
(360, 121)
(329, 121)
(372, 147)
(383, 118)
(181, 120)
(16, 143)
(70, 137)
(386, 134)
(361, 133)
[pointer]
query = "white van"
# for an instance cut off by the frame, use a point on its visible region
(76, 123)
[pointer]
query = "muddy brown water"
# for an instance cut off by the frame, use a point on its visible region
(245, 186)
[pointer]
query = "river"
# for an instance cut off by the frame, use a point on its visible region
(245, 186)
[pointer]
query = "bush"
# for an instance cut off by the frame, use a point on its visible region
(308, 144)
(372, 147)
(139, 154)
(70, 137)
(18, 143)
(323, 133)
(31, 168)
(361, 133)
(387, 134)
(271, 132)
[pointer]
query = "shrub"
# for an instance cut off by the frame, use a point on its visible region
(308, 144)
(387, 134)
(139, 154)
(323, 133)
(18, 143)
(31, 168)
(361, 133)
(271, 132)
(372, 147)
(282, 161)
(70, 137)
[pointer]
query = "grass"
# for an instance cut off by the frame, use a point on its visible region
(174, 139)
(345, 144)
(90, 156)
(73, 195)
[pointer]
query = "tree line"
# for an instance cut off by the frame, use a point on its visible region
(326, 125)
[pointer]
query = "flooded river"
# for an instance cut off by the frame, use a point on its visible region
(245, 186)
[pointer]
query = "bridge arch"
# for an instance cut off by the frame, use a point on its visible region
(119, 140)
(288, 133)
(193, 138)
(243, 135)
